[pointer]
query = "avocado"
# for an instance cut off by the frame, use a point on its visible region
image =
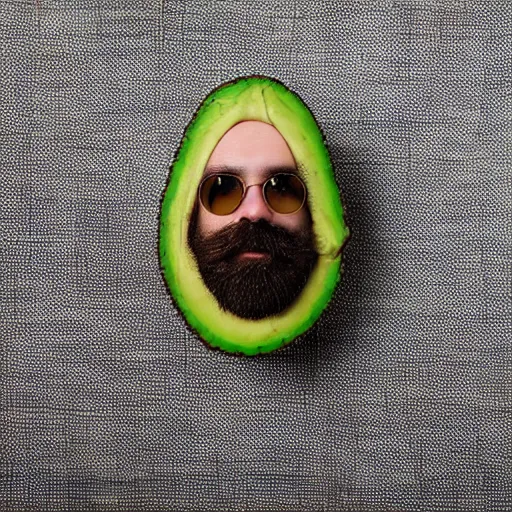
(263, 99)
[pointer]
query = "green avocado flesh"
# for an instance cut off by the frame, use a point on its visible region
(250, 99)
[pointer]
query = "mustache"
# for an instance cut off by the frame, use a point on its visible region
(259, 236)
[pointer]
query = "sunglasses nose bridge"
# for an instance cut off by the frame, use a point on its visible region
(253, 206)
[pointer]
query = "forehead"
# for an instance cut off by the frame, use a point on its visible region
(251, 148)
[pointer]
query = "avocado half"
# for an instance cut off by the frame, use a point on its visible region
(253, 98)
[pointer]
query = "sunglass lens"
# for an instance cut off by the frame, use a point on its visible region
(285, 193)
(221, 195)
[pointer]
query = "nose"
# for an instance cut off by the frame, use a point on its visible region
(253, 206)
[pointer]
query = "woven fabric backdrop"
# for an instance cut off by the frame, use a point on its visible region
(400, 399)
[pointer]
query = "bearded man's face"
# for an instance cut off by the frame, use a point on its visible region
(254, 260)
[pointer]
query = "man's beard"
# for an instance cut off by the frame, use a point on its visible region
(254, 288)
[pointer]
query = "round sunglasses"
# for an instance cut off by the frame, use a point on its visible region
(222, 194)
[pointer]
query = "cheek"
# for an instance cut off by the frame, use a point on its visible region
(208, 223)
(296, 222)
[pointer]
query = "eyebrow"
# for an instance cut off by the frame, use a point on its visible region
(242, 171)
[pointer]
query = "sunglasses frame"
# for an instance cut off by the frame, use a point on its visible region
(245, 188)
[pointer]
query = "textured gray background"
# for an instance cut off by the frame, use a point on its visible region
(400, 399)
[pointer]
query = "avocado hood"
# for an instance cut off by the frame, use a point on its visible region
(263, 99)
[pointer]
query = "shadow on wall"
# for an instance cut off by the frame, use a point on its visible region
(338, 329)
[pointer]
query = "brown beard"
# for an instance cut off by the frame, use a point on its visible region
(254, 288)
